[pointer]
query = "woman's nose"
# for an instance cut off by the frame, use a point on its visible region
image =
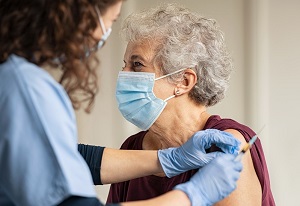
(125, 69)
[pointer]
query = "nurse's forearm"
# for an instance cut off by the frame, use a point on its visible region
(172, 198)
(121, 165)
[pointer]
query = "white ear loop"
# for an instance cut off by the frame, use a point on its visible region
(158, 78)
(100, 20)
(169, 98)
(167, 76)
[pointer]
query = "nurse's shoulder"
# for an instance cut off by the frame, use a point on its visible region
(19, 72)
(23, 81)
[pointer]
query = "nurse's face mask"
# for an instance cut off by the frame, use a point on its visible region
(99, 45)
(104, 37)
(136, 100)
(106, 33)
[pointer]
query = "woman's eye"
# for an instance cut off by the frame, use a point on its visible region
(137, 64)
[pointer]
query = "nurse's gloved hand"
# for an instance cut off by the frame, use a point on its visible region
(192, 154)
(213, 182)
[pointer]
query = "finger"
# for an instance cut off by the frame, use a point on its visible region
(227, 158)
(228, 148)
(224, 137)
(238, 166)
(211, 156)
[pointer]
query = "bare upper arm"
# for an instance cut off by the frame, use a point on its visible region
(248, 191)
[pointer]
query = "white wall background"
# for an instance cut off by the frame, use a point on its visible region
(264, 39)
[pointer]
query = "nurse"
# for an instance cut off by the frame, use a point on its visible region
(40, 164)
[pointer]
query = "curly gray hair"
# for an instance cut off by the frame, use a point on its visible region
(186, 40)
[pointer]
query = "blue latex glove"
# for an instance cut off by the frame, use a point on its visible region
(192, 154)
(213, 182)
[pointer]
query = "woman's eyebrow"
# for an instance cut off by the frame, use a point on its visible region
(136, 57)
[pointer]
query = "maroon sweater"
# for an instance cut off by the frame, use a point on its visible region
(153, 186)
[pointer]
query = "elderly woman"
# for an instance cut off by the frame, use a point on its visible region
(176, 66)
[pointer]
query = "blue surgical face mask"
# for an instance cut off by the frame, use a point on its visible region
(106, 33)
(100, 44)
(104, 37)
(136, 100)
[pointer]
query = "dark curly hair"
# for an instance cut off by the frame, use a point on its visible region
(43, 31)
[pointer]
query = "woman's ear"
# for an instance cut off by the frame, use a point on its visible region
(189, 81)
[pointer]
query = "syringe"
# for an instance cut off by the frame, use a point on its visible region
(248, 145)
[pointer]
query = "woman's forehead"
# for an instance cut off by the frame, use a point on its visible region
(145, 49)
